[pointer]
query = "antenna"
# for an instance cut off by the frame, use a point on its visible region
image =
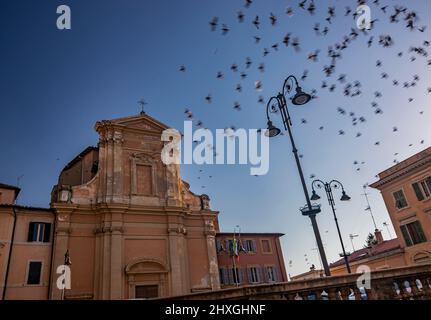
(142, 103)
(351, 240)
(368, 208)
(18, 179)
(387, 227)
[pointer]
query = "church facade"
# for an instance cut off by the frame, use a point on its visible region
(127, 224)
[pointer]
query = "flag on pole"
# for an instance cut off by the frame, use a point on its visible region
(235, 249)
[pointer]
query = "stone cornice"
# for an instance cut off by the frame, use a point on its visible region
(207, 213)
(102, 208)
(116, 208)
(106, 125)
(402, 172)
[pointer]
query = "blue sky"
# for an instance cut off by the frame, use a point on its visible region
(54, 86)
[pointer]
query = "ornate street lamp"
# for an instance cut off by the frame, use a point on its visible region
(344, 197)
(300, 98)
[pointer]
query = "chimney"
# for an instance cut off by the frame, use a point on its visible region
(379, 236)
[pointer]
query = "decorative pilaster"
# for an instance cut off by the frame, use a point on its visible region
(105, 257)
(177, 254)
(116, 262)
(110, 166)
(61, 244)
(173, 183)
(117, 184)
(210, 234)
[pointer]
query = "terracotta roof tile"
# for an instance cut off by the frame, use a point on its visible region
(363, 253)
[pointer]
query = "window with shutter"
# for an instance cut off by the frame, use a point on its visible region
(416, 232)
(264, 273)
(400, 200)
(276, 278)
(218, 246)
(223, 276)
(47, 232)
(230, 276)
(253, 275)
(254, 246)
(249, 275)
(260, 277)
(31, 228)
(413, 233)
(39, 232)
(229, 246)
(428, 181)
(271, 273)
(425, 189)
(250, 246)
(418, 191)
(422, 189)
(406, 236)
(236, 275)
(240, 275)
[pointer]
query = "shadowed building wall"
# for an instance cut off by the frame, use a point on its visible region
(406, 190)
(131, 226)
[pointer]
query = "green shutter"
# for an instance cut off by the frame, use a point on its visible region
(418, 191)
(218, 246)
(276, 277)
(265, 274)
(419, 232)
(249, 275)
(224, 277)
(30, 232)
(254, 246)
(230, 276)
(241, 275)
(428, 181)
(47, 232)
(406, 236)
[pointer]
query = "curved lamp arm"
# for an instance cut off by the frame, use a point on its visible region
(334, 184)
(317, 181)
(337, 184)
(269, 103)
(291, 77)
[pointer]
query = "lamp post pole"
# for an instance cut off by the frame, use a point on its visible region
(299, 99)
(328, 189)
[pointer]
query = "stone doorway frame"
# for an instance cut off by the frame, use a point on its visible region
(152, 268)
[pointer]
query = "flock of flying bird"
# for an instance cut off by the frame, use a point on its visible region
(334, 53)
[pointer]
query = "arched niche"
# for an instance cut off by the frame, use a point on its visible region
(422, 257)
(147, 278)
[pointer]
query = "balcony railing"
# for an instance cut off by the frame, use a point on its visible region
(407, 283)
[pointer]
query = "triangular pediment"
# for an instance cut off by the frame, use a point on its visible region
(141, 122)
